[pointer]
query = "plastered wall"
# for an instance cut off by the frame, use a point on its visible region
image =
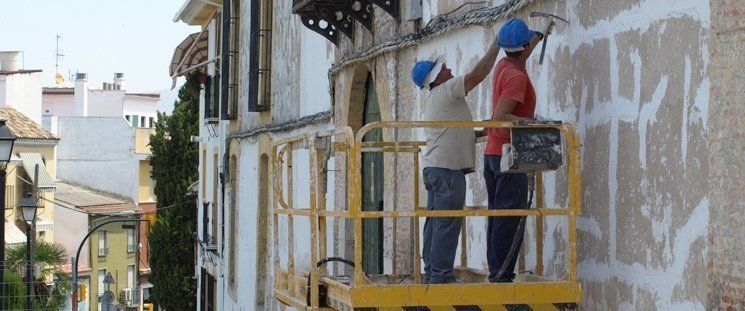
(633, 76)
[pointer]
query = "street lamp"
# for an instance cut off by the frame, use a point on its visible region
(6, 150)
(29, 206)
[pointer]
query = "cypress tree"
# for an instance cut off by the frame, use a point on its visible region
(175, 161)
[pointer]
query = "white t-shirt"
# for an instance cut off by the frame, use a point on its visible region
(452, 148)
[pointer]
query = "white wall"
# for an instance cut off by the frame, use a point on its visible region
(62, 105)
(69, 231)
(105, 103)
(98, 152)
(140, 105)
(22, 91)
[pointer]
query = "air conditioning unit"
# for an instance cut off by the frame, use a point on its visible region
(103, 252)
(128, 297)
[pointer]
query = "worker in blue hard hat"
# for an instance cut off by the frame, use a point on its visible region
(449, 156)
(513, 98)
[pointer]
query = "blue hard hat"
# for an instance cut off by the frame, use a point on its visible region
(514, 34)
(421, 71)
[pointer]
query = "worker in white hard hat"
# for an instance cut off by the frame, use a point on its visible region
(449, 156)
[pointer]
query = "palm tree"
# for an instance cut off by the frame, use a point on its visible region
(49, 257)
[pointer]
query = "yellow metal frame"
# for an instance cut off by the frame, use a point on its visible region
(290, 285)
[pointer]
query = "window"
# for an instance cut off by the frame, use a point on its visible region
(131, 241)
(208, 284)
(260, 63)
(135, 119)
(230, 63)
(211, 100)
(129, 119)
(131, 276)
(215, 186)
(232, 173)
(101, 286)
(152, 122)
(102, 243)
(142, 121)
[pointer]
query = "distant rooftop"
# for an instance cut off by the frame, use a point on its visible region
(152, 95)
(23, 127)
(7, 73)
(92, 200)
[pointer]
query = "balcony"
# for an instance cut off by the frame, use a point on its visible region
(103, 252)
(327, 17)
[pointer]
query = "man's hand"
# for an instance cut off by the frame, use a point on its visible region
(480, 133)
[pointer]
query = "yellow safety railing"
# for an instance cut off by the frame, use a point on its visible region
(289, 285)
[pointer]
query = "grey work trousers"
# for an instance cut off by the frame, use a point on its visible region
(446, 190)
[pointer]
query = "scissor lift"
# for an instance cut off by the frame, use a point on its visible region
(312, 290)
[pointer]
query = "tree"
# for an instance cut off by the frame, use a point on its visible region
(49, 258)
(174, 161)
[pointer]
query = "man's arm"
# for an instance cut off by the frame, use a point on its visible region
(482, 69)
(503, 111)
(531, 46)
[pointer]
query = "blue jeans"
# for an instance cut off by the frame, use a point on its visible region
(446, 190)
(506, 191)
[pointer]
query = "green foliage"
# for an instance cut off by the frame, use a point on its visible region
(48, 257)
(175, 159)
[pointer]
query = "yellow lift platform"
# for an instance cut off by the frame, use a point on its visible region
(313, 290)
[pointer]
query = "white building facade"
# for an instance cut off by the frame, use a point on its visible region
(84, 99)
(643, 122)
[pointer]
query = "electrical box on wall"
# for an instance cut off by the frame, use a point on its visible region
(413, 10)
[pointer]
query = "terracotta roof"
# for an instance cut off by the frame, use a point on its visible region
(23, 127)
(92, 200)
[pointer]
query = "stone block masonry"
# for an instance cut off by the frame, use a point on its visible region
(726, 264)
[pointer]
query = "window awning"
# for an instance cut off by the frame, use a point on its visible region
(13, 235)
(43, 224)
(189, 53)
(30, 160)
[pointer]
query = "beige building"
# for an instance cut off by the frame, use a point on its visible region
(33, 146)
(113, 248)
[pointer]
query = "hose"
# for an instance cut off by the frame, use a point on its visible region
(520, 229)
(318, 265)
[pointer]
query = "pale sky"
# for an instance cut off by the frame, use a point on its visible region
(136, 37)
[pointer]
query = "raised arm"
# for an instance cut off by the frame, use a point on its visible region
(531, 46)
(482, 69)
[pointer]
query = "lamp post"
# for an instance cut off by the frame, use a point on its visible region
(29, 206)
(6, 150)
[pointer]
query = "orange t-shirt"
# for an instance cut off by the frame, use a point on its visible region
(510, 81)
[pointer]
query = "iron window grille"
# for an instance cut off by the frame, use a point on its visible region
(259, 87)
(230, 62)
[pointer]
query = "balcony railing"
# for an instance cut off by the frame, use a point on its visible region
(131, 248)
(102, 252)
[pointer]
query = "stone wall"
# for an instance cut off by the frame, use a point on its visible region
(726, 264)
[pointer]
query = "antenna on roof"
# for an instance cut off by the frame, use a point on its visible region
(58, 78)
